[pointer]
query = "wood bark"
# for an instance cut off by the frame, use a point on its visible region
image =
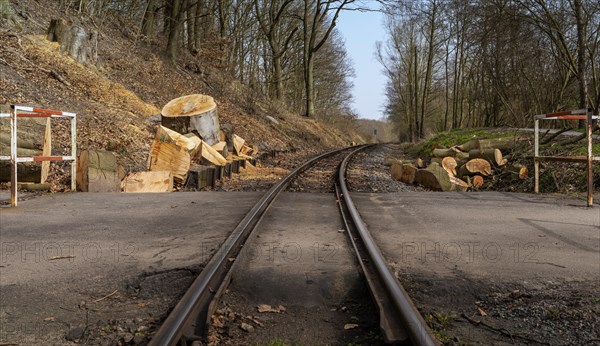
(388, 161)
(98, 171)
(79, 43)
(193, 113)
(34, 186)
(492, 155)
(433, 178)
(200, 177)
(408, 174)
(5, 150)
(396, 170)
(26, 172)
(443, 152)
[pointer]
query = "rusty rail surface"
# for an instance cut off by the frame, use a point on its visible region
(400, 320)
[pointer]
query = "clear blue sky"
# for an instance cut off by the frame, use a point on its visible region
(361, 30)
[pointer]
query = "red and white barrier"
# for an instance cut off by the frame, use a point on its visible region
(33, 112)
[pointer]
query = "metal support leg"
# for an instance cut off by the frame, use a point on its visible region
(536, 154)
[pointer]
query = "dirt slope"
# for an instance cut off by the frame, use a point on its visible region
(116, 97)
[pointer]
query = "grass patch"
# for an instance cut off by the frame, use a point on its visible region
(439, 322)
(582, 150)
(451, 138)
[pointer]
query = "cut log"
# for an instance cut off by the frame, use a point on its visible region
(437, 160)
(442, 152)
(246, 150)
(502, 143)
(470, 145)
(477, 181)
(459, 184)
(397, 168)
(519, 172)
(193, 113)
(419, 163)
(523, 173)
(5, 150)
(190, 141)
(461, 156)
(408, 174)
(238, 143)
(388, 161)
(173, 152)
(26, 172)
(155, 181)
(23, 141)
(478, 166)
(492, 155)
(221, 148)
(34, 187)
(97, 171)
(200, 177)
(79, 43)
(433, 178)
(228, 133)
(449, 164)
(211, 155)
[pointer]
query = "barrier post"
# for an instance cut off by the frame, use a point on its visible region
(580, 114)
(32, 112)
(590, 159)
(13, 156)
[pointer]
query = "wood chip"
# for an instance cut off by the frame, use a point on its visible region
(268, 308)
(481, 312)
(349, 326)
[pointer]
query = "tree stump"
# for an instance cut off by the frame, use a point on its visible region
(79, 43)
(193, 113)
(7, 15)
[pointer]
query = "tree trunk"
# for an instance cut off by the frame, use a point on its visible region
(174, 21)
(309, 84)
(278, 76)
(581, 50)
(148, 21)
(77, 42)
(7, 15)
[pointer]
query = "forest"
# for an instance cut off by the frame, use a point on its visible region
(460, 63)
(449, 63)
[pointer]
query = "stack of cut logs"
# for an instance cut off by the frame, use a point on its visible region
(33, 139)
(190, 150)
(459, 168)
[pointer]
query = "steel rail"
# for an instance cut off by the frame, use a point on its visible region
(399, 318)
(188, 320)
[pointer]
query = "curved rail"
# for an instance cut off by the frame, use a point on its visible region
(188, 320)
(399, 318)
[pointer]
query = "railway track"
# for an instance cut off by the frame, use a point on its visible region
(399, 319)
